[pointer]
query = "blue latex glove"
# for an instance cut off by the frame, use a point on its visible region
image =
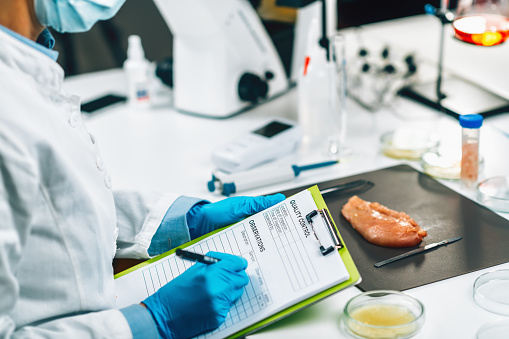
(204, 218)
(200, 298)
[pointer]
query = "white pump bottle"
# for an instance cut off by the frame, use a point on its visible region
(137, 69)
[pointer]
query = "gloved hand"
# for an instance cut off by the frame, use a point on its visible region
(200, 298)
(204, 218)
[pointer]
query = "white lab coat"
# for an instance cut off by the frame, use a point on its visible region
(58, 216)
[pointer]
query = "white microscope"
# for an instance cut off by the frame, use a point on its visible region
(224, 61)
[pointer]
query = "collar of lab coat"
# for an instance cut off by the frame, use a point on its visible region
(44, 43)
(18, 55)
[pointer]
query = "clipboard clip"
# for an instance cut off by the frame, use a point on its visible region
(325, 216)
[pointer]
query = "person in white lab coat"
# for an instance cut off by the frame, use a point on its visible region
(60, 222)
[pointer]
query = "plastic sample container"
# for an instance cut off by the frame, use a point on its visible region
(471, 124)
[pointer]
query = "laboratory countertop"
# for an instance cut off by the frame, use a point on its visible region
(161, 149)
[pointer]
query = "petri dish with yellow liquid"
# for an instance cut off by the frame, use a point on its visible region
(383, 314)
(408, 143)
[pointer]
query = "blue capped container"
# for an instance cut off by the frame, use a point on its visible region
(471, 128)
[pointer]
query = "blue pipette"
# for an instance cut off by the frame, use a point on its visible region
(230, 183)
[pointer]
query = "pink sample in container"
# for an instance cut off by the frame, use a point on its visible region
(471, 125)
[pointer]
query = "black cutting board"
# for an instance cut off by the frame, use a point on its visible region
(442, 212)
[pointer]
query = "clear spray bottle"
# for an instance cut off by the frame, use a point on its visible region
(137, 70)
(313, 90)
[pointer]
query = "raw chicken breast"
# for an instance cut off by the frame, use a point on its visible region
(382, 226)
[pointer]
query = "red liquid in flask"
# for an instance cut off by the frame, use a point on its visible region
(482, 30)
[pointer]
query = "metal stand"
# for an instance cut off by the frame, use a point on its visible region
(454, 95)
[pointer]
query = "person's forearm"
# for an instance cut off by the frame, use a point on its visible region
(104, 324)
(139, 216)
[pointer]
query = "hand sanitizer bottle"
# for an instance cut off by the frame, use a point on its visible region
(137, 70)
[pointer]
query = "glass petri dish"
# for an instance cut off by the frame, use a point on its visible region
(491, 291)
(443, 166)
(494, 193)
(407, 143)
(383, 314)
(494, 330)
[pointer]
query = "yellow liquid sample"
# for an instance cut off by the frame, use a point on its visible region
(383, 315)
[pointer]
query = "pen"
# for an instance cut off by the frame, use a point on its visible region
(205, 259)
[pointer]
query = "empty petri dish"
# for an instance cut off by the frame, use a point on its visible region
(383, 314)
(408, 143)
(494, 193)
(491, 291)
(494, 330)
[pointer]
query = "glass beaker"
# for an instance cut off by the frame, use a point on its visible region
(482, 22)
(336, 141)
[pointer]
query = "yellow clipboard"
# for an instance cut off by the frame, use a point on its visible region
(355, 278)
(321, 212)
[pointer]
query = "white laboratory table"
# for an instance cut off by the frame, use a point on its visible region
(161, 149)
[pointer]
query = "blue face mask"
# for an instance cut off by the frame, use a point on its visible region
(74, 15)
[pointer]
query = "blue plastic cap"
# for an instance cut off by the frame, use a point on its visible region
(211, 185)
(471, 120)
(429, 9)
(228, 189)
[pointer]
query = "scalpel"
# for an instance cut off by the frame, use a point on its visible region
(417, 251)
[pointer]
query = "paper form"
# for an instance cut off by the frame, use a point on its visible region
(285, 264)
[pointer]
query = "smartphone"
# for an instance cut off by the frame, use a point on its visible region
(102, 102)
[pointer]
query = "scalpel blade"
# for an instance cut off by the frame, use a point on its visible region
(417, 251)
